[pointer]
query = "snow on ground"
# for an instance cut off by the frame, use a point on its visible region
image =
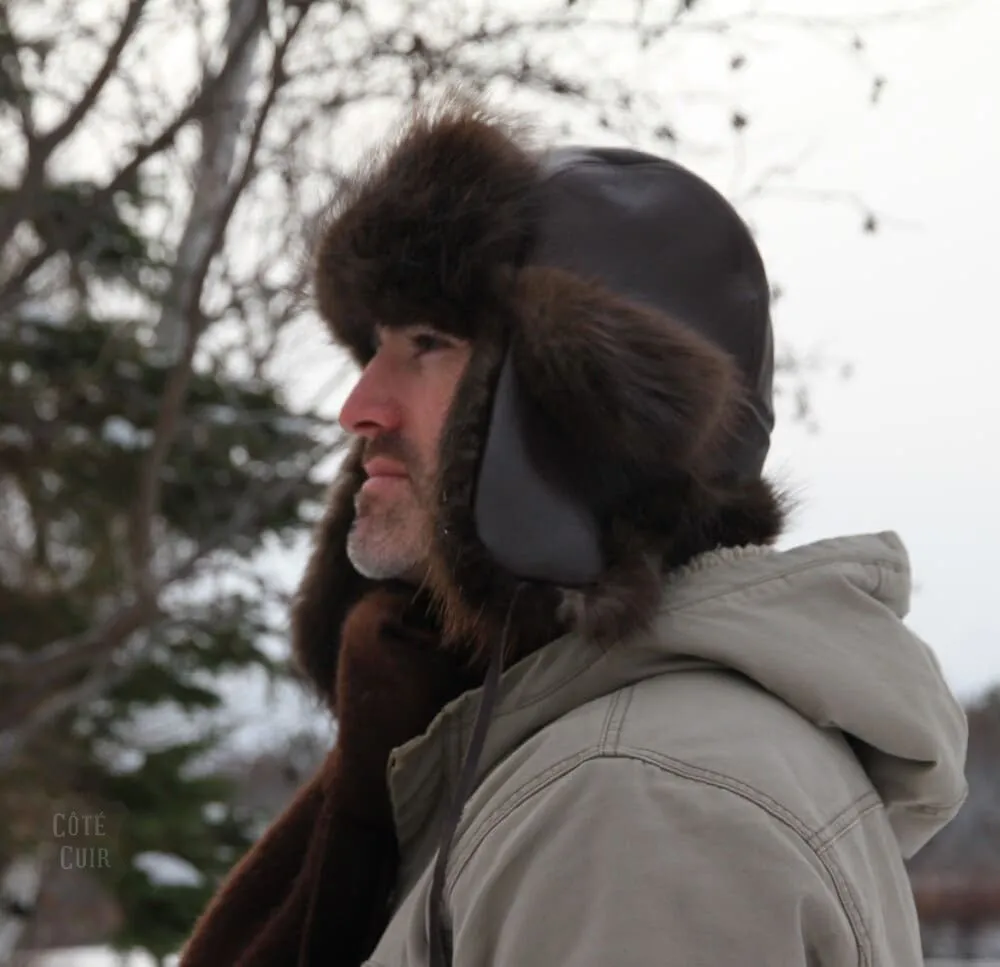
(94, 957)
(97, 957)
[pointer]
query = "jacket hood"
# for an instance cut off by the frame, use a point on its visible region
(819, 626)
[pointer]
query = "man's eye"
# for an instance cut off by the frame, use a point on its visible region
(427, 342)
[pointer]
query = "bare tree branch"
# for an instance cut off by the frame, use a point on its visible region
(67, 656)
(13, 291)
(220, 129)
(38, 715)
(879, 18)
(41, 147)
(47, 674)
(191, 275)
(52, 138)
(22, 96)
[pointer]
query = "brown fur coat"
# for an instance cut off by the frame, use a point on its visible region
(316, 889)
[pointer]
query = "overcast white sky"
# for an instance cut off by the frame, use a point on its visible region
(911, 442)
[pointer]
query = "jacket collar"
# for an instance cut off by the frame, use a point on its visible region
(561, 676)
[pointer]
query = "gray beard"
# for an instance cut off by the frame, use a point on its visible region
(381, 563)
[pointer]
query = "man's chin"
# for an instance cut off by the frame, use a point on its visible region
(382, 569)
(378, 557)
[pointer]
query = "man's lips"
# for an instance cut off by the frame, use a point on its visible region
(382, 467)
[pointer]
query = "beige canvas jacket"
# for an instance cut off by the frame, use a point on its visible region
(739, 786)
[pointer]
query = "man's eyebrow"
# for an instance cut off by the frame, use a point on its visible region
(380, 329)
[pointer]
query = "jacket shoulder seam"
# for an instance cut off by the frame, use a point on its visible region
(611, 733)
(817, 841)
(846, 820)
(468, 843)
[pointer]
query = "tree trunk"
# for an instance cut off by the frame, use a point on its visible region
(214, 175)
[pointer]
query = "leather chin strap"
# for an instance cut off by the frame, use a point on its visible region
(537, 531)
(440, 939)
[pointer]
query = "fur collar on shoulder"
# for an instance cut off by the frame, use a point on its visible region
(317, 888)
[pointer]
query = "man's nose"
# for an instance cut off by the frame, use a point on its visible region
(371, 408)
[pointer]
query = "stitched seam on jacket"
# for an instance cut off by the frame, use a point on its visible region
(871, 808)
(612, 732)
(779, 812)
(609, 717)
(686, 771)
(476, 834)
(845, 819)
(430, 778)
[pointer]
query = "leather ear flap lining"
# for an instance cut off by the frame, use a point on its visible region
(532, 524)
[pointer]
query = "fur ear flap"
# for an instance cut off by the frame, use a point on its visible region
(623, 391)
(330, 585)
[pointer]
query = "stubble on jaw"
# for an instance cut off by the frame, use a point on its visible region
(391, 534)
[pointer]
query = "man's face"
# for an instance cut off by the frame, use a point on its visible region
(399, 406)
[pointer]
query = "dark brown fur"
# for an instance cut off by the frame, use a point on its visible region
(425, 230)
(316, 888)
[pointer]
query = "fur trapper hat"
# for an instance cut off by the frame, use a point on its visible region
(618, 312)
